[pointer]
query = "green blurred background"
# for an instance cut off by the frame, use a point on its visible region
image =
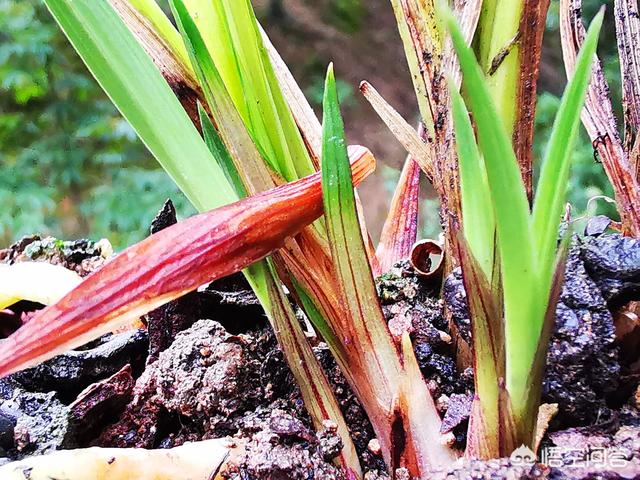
(71, 167)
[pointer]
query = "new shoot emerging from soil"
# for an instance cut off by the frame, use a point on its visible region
(509, 254)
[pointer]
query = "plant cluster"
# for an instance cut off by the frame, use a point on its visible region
(218, 108)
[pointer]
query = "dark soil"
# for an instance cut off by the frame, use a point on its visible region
(208, 366)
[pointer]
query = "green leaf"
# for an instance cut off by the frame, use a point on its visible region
(554, 175)
(477, 210)
(249, 162)
(233, 38)
(162, 25)
(512, 218)
(347, 246)
(220, 152)
(135, 86)
(498, 26)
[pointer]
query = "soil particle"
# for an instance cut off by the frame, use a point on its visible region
(69, 373)
(165, 217)
(455, 298)
(82, 256)
(99, 404)
(614, 262)
(376, 475)
(38, 421)
(582, 363)
(406, 295)
(330, 444)
(592, 453)
(272, 452)
(458, 411)
(354, 415)
(498, 469)
(597, 225)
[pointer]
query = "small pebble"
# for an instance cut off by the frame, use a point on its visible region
(374, 446)
(330, 425)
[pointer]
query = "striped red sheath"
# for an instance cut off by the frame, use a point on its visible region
(169, 264)
(400, 229)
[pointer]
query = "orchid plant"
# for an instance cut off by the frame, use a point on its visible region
(215, 104)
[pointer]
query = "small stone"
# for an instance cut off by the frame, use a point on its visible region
(330, 425)
(402, 474)
(597, 225)
(442, 403)
(374, 446)
(448, 439)
(444, 336)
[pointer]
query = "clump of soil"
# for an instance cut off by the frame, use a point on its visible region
(82, 256)
(411, 302)
(281, 447)
(582, 362)
(200, 387)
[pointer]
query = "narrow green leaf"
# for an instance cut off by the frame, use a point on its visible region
(135, 86)
(512, 218)
(347, 247)
(249, 162)
(163, 26)
(554, 175)
(383, 382)
(233, 37)
(213, 23)
(220, 152)
(477, 209)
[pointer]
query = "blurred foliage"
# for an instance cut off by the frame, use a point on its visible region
(588, 180)
(70, 165)
(347, 15)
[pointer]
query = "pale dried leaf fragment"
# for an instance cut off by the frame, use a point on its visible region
(35, 281)
(191, 461)
(546, 413)
(402, 130)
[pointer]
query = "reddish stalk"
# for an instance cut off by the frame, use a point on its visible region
(169, 264)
